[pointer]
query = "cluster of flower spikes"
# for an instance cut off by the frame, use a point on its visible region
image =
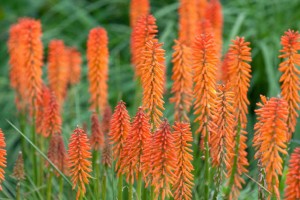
(97, 56)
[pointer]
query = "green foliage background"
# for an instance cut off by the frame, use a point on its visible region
(262, 22)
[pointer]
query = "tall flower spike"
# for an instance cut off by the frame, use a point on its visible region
(183, 81)
(74, 65)
(119, 129)
(52, 118)
(205, 61)
(292, 190)
(214, 15)
(224, 69)
(138, 8)
(153, 81)
(273, 131)
(147, 160)
(57, 153)
(16, 61)
(58, 69)
(2, 157)
(222, 138)
(135, 144)
(79, 163)
(97, 137)
(106, 159)
(201, 8)
(18, 171)
(144, 30)
(97, 56)
(290, 76)
(187, 21)
(184, 179)
(33, 60)
(164, 162)
(239, 73)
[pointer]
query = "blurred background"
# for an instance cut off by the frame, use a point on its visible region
(262, 22)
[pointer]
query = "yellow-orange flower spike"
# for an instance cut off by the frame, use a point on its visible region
(147, 160)
(153, 81)
(214, 15)
(57, 153)
(74, 65)
(135, 145)
(222, 137)
(52, 119)
(43, 104)
(290, 75)
(79, 163)
(239, 71)
(292, 190)
(164, 162)
(97, 56)
(184, 179)
(58, 69)
(97, 137)
(33, 60)
(119, 129)
(205, 61)
(183, 81)
(2, 157)
(138, 8)
(273, 130)
(144, 31)
(188, 18)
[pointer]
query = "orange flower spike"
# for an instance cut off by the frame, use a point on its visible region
(106, 159)
(183, 81)
(79, 164)
(43, 104)
(135, 144)
(239, 72)
(57, 153)
(164, 162)
(222, 138)
(292, 190)
(74, 65)
(97, 56)
(153, 81)
(58, 69)
(138, 8)
(144, 31)
(188, 18)
(147, 160)
(119, 129)
(31, 43)
(214, 15)
(97, 137)
(205, 61)
(2, 157)
(290, 75)
(52, 119)
(273, 141)
(184, 179)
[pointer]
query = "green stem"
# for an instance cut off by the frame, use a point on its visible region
(130, 192)
(23, 141)
(41, 170)
(61, 187)
(49, 184)
(18, 190)
(104, 185)
(207, 166)
(97, 173)
(139, 186)
(34, 157)
(152, 195)
(120, 187)
(234, 167)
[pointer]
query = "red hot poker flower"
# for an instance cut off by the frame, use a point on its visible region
(138, 8)
(292, 190)
(97, 137)
(2, 157)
